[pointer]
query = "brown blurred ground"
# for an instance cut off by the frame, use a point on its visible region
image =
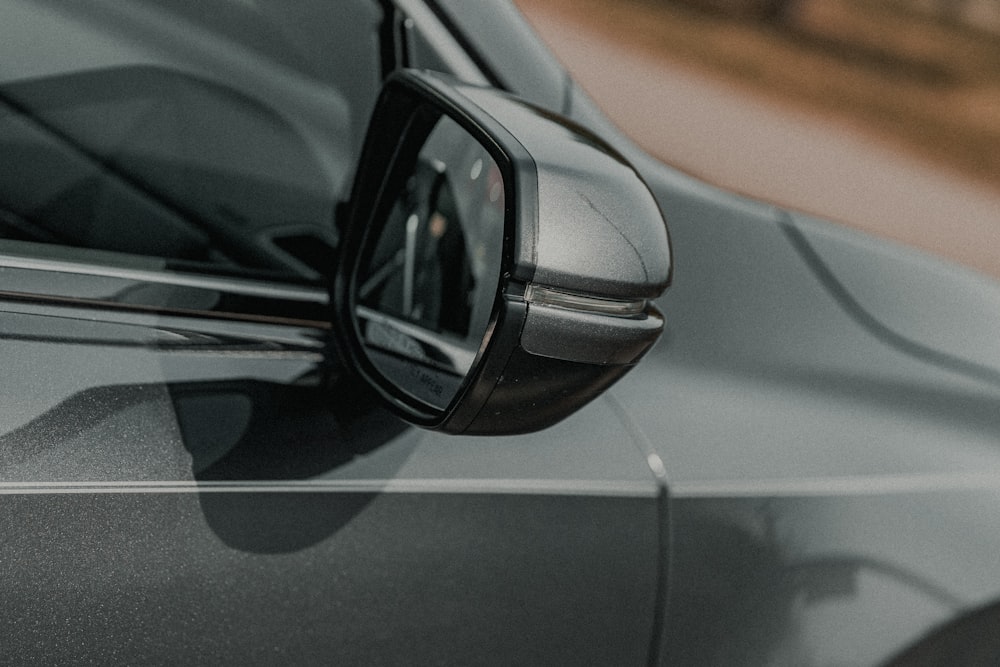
(910, 96)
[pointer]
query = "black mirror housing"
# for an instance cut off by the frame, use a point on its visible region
(498, 262)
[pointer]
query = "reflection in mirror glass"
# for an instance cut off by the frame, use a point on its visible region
(427, 289)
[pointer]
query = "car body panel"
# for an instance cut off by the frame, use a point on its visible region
(189, 475)
(176, 486)
(801, 429)
(796, 434)
(824, 404)
(237, 576)
(179, 486)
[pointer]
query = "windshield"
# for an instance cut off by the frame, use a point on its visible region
(216, 134)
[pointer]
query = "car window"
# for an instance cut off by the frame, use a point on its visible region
(218, 134)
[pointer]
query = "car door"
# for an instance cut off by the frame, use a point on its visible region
(187, 471)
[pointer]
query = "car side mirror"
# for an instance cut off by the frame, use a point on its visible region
(498, 262)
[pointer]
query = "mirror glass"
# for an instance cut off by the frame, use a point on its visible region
(430, 271)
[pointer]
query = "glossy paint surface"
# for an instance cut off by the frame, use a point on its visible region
(188, 474)
(824, 407)
(187, 482)
(189, 488)
(829, 484)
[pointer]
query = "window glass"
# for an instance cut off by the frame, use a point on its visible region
(214, 133)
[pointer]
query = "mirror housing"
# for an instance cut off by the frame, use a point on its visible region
(562, 246)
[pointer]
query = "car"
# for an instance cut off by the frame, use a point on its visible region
(352, 332)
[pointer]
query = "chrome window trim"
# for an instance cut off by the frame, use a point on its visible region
(246, 287)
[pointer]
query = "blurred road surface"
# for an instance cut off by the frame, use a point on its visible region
(750, 143)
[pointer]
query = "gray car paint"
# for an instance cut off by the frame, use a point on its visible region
(180, 489)
(831, 493)
(186, 475)
(793, 435)
(825, 408)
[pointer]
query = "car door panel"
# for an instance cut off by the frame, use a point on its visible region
(199, 485)
(147, 574)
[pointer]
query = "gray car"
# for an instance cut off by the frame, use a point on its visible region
(352, 332)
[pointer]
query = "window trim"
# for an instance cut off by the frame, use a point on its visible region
(96, 286)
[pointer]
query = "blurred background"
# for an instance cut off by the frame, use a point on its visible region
(881, 114)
